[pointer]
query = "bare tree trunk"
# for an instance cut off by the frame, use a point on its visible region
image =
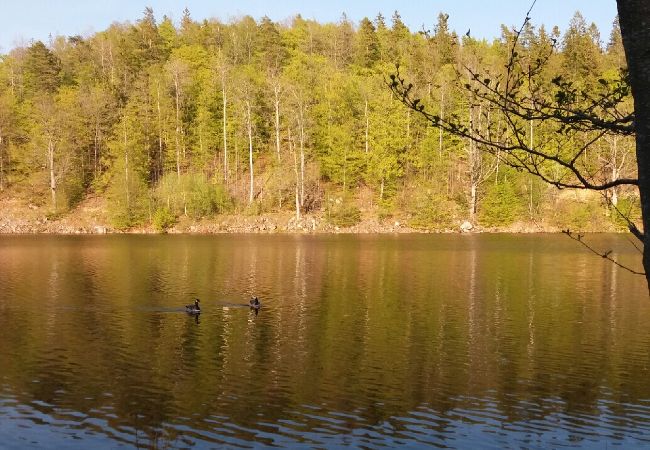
(50, 158)
(302, 157)
(102, 58)
(474, 168)
(225, 133)
(530, 197)
(408, 125)
(615, 172)
(634, 16)
(126, 168)
(530, 184)
(442, 112)
(473, 201)
(249, 124)
(13, 82)
(161, 165)
(178, 128)
(236, 150)
(292, 149)
(276, 92)
(345, 166)
(96, 147)
(365, 112)
(110, 54)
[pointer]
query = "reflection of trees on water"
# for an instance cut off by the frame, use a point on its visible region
(374, 328)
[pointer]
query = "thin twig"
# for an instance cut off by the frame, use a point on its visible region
(578, 238)
(631, 226)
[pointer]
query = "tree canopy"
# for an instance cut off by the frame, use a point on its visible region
(579, 101)
(193, 119)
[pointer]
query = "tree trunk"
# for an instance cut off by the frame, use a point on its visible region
(292, 149)
(126, 167)
(634, 17)
(249, 125)
(408, 125)
(474, 161)
(110, 54)
(225, 134)
(178, 129)
(302, 156)
(276, 91)
(160, 169)
(50, 158)
(473, 202)
(367, 124)
(615, 171)
(442, 112)
(96, 147)
(13, 82)
(345, 166)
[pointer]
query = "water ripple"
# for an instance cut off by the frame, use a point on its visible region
(372, 342)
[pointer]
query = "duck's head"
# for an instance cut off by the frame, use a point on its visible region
(196, 302)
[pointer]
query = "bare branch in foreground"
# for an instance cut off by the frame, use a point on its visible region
(606, 255)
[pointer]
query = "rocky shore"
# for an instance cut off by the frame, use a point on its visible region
(90, 217)
(269, 223)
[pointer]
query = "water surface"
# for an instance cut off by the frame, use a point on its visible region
(410, 341)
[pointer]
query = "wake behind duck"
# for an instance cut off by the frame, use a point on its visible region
(253, 303)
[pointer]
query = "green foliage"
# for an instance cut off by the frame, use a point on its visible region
(42, 70)
(126, 211)
(163, 218)
(205, 197)
(137, 113)
(580, 216)
(367, 45)
(431, 210)
(128, 202)
(254, 209)
(74, 190)
(386, 208)
(342, 212)
(585, 215)
(387, 144)
(627, 208)
(193, 195)
(500, 206)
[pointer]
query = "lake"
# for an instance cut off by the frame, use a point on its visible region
(364, 341)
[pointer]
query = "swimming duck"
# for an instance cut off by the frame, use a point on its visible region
(254, 303)
(193, 309)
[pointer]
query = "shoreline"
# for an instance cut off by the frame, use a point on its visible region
(90, 218)
(275, 223)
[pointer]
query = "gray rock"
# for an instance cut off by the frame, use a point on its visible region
(466, 227)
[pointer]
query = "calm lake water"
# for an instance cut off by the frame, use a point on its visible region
(410, 341)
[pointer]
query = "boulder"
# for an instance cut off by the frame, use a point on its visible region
(466, 227)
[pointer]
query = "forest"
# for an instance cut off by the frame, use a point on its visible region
(161, 122)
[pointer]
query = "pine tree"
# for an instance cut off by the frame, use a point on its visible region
(41, 70)
(367, 44)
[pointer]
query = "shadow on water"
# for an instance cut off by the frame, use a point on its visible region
(363, 341)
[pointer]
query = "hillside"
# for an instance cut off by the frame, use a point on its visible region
(213, 126)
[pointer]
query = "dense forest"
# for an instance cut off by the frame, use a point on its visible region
(163, 121)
